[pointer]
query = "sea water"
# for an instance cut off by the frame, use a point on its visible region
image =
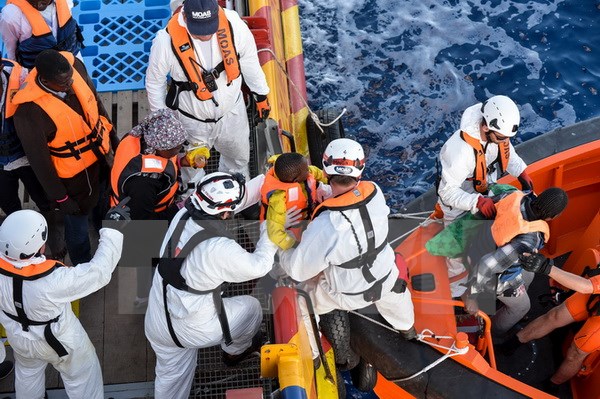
(405, 71)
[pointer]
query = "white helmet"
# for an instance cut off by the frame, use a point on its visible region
(219, 192)
(501, 115)
(344, 157)
(23, 234)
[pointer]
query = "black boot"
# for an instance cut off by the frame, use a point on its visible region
(233, 360)
(6, 367)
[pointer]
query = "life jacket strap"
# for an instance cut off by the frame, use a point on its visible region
(373, 293)
(170, 271)
(21, 318)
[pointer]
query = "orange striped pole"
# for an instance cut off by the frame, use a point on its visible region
(294, 60)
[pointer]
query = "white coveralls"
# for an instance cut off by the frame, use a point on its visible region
(329, 241)
(230, 135)
(456, 194)
(194, 317)
(46, 298)
(15, 28)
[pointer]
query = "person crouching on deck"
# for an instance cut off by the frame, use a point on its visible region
(185, 308)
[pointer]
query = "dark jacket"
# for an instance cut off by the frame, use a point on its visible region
(35, 129)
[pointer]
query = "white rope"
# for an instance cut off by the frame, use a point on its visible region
(426, 333)
(425, 222)
(407, 216)
(312, 114)
(413, 213)
(452, 351)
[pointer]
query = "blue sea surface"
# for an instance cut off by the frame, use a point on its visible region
(405, 71)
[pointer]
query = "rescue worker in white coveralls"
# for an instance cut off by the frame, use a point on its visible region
(35, 303)
(474, 157)
(198, 256)
(344, 258)
(207, 51)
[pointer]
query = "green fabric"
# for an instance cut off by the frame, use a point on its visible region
(451, 242)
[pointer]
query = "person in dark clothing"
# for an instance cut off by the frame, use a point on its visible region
(146, 166)
(66, 133)
(14, 166)
(146, 170)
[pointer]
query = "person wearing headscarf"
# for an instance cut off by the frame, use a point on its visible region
(146, 170)
(146, 167)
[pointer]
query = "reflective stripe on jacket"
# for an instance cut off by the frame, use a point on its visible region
(68, 32)
(509, 221)
(479, 178)
(78, 142)
(184, 51)
(129, 161)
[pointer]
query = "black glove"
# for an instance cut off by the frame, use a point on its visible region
(536, 263)
(119, 212)
(118, 216)
(68, 206)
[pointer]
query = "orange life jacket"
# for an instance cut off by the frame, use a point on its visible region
(39, 26)
(12, 87)
(360, 195)
(300, 195)
(79, 142)
(68, 33)
(31, 272)
(509, 221)
(479, 178)
(183, 48)
(129, 161)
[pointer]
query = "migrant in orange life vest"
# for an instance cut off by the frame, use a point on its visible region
(509, 221)
(68, 33)
(301, 195)
(129, 162)
(78, 142)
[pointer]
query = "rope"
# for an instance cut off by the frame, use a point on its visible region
(360, 252)
(414, 215)
(452, 351)
(425, 222)
(312, 114)
(426, 333)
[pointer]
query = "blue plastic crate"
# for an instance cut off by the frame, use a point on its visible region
(118, 36)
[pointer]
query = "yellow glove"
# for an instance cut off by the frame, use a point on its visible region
(197, 157)
(272, 159)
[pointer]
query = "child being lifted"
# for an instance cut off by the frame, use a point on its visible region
(291, 186)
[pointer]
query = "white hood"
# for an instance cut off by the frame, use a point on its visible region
(471, 120)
